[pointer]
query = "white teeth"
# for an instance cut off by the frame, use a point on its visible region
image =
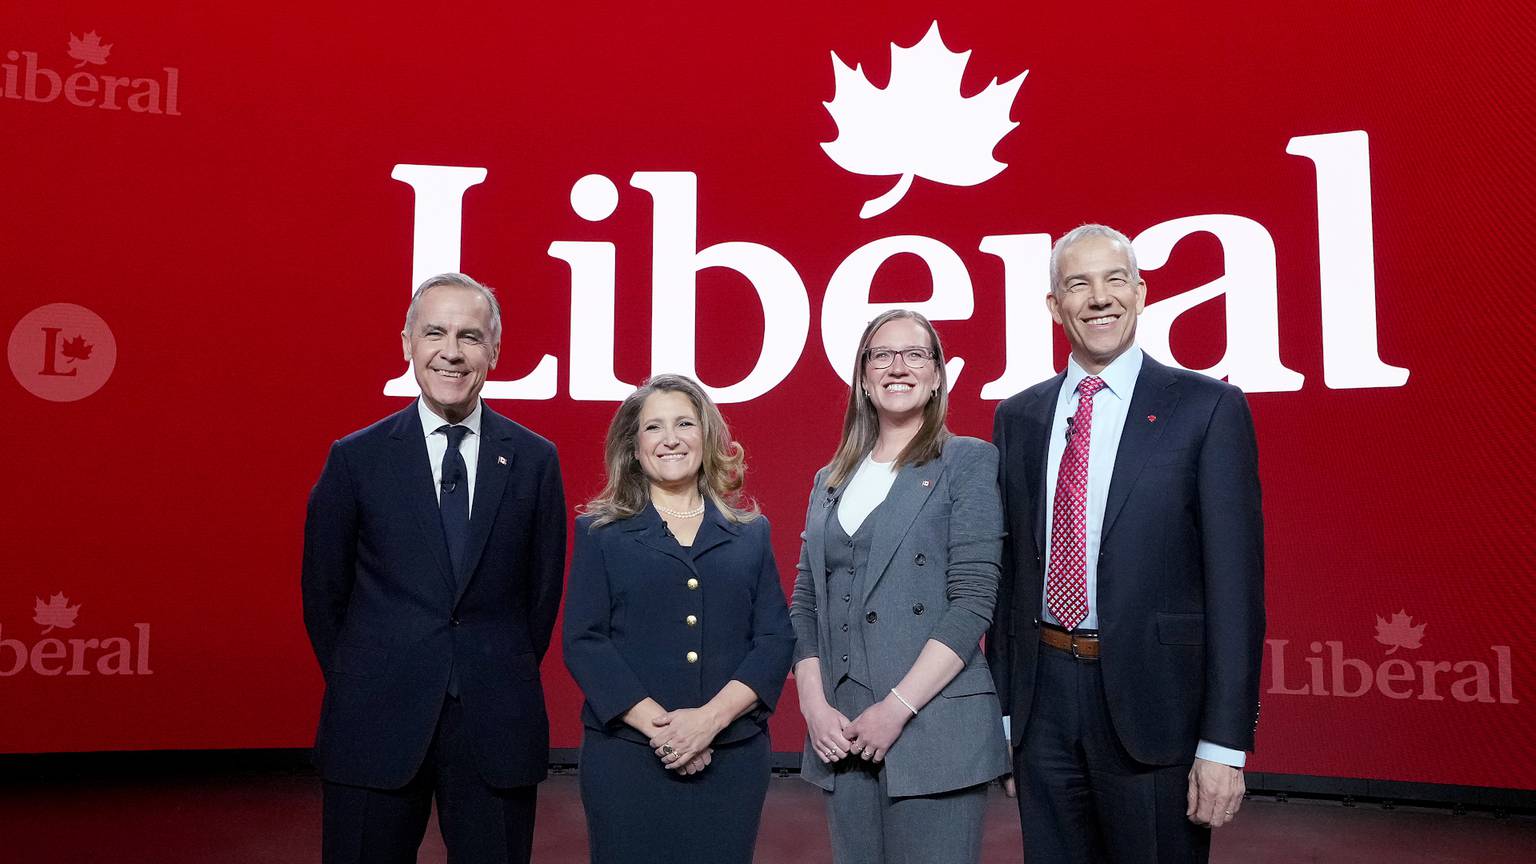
(1107, 319)
(898, 388)
(673, 456)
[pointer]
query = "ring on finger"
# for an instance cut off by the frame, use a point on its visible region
(668, 749)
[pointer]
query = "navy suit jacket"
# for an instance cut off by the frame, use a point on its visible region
(1180, 569)
(389, 621)
(627, 634)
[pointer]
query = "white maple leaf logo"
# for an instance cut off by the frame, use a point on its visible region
(919, 125)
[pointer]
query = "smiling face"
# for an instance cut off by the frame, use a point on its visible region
(1097, 301)
(449, 349)
(669, 441)
(899, 391)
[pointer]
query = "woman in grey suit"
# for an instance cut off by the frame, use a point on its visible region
(897, 578)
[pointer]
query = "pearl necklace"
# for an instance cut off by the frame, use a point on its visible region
(679, 514)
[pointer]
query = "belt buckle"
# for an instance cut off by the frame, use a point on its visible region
(1072, 646)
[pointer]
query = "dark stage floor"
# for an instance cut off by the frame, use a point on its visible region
(265, 816)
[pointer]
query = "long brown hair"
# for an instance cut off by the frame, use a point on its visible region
(722, 465)
(861, 423)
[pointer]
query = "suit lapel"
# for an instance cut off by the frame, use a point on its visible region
(1156, 395)
(908, 494)
(1041, 415)
(816, 535)
(714, 530)
(415, 481)
(492, 469)
(649, 529)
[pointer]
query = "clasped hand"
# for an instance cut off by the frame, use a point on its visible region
(872, 733)
(681, 738)
(825, 725)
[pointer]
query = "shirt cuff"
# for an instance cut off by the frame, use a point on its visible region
(1217, 753)
(1007, 729)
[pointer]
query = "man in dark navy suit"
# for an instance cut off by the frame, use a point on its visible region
(1130, 619)
(433, 555)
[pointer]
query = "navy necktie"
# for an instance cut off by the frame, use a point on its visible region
(454, 498)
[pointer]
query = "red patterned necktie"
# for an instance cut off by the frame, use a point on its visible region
(1066, 594)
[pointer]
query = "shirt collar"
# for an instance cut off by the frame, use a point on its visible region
(430, 421)
(1119, 376)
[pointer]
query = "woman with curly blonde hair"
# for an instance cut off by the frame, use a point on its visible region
(677, 631)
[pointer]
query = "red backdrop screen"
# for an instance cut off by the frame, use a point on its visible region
(212, 218)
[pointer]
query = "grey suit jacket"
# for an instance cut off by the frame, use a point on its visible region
(933, 573)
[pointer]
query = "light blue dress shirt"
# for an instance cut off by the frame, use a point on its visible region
(1109, 407)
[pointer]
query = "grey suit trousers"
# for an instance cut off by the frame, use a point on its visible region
(868, 826)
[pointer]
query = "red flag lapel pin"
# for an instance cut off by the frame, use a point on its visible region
(1151, 418)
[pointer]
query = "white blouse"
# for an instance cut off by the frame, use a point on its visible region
(869, 486)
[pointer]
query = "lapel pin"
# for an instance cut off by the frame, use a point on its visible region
(1151, 418)
(925, 483)
(501, 460)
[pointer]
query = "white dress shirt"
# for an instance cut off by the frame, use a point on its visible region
(437, 447)
(1110, 405)
(869, 486)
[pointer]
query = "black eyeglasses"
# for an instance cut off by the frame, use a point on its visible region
(882, 358)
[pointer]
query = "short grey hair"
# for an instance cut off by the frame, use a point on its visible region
(1083, 232)
(458, 280)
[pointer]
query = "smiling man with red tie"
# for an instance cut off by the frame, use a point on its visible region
(1130, 619)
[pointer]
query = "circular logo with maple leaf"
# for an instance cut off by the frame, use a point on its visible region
(62, 352)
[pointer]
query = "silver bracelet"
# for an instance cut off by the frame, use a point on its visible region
(903, 701)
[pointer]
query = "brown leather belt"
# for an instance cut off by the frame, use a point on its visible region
(1078, 645)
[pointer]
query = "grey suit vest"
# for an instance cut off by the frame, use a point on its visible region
(847, 562)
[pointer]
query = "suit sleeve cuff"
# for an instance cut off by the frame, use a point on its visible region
(764, 671)
(960, 630)
(610, 708)
(1217, 753)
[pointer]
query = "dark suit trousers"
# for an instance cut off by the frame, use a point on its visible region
(480, 823)
(868, 826)
(1082, 798)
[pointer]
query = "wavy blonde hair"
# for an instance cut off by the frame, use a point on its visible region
(722, 467)
(861, 423)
